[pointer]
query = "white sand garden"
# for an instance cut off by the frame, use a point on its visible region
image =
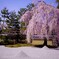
(28, 53)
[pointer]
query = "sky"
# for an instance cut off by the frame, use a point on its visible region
(12, 5)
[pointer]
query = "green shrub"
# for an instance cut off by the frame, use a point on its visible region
(22, 38)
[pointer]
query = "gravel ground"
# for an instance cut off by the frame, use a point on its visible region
(28, 53)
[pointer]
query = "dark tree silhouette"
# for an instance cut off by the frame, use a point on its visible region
(58, 3)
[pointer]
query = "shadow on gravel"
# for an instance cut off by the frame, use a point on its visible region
(40, 46)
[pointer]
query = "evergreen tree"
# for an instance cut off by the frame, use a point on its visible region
(58, 3)
(30, 6)
(22, 11)
(13, 23)
(5, 14)
(0, 24)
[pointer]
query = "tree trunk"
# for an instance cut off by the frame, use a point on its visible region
(58, 5)
(45, 41)
(28, 39)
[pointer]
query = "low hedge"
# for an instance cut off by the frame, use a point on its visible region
(11, 39)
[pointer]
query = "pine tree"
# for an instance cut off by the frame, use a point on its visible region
(58, 3)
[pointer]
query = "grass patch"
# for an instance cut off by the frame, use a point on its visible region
(19, 45)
